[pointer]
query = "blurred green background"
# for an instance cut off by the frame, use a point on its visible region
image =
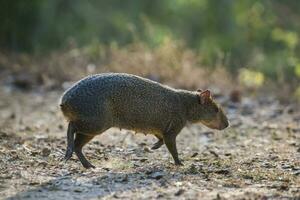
(261, 36)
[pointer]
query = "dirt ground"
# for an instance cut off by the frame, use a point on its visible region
(258, 157)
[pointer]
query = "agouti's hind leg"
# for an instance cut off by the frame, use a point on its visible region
(70, 141)
(158, 144)
(80, 141)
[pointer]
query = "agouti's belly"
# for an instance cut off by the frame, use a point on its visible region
(152, 131)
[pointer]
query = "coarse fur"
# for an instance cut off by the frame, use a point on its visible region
(99, 102)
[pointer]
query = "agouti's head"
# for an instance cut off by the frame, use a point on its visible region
(209, 112)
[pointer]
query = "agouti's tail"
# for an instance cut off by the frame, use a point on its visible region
(68, 112)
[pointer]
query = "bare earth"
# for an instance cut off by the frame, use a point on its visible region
(257, 158)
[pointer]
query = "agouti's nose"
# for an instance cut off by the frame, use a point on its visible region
(224, 125)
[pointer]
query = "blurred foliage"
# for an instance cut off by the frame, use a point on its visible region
(251, 79)
(297, 94)
(260, 35)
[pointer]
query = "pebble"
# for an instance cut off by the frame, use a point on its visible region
(156, 175)
(46, 152)
(179, 192)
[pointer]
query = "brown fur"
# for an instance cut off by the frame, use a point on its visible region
(101, 101)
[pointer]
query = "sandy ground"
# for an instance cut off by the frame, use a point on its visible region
(258, 157)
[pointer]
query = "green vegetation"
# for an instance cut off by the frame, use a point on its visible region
(262, 36)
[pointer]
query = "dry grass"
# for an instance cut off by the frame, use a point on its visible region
(171, 63)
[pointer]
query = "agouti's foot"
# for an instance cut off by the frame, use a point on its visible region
(69, 153)
(178, 163)
(88, 165)
(157, 145)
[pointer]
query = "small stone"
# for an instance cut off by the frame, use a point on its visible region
(193, 169)
(296, 173)
(274, 157)
(142, 144)
(235, 96)
(223, 171)
(247, 109)
(12, 116)
(33, 183)
(106, 169)
(194, 155)
(156, 175)
(143, 159)
(146, 149)
(34, 153)
(247, 176)
(283, 187)
(28, 128)
(122, 179)
(267, 165)
(61, 127)
(78, 190)
(46, 152)
(22, 81)
(42, 163)
(179, 192)
(218, 197)
(148, 172)
(286, 166)
(214, 153)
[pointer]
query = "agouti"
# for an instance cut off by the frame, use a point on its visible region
(99, 102)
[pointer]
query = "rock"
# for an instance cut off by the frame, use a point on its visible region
(284, 187)
(61, 127)
(214, 153)
(193, 169)
(194, 155)
(12, 116)
(143, 159)
(41, 136)
(78, 190)
(22, 81)
(34, 153)
(222, 171)
(286, 166)
(267, 165)
(296, 173)
(42, 163)
(235, 96)
(179, 192)
(122, 179)
(46, 152)
(156, 175)
(247, 110)
(227, 154)
(148, 150)
(33, 183)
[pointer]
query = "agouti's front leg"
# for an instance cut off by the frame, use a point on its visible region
(170, 141)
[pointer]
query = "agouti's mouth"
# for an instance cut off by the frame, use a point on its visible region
(224, 125)
(216, 124)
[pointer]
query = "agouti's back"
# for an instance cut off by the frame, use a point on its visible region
(123, 100)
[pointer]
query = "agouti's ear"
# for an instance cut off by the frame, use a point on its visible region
(199, 90)
(205, 97)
